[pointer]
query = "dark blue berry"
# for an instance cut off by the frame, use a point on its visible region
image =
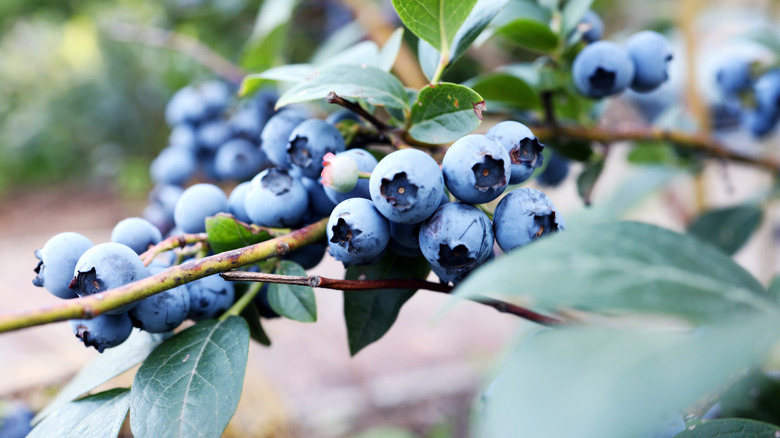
(308, 144)
(525, 151)
(58, 259)
(357, 233)
(602, 69)
(137, 233)
(276, 135)
(522, 216)
(476, 169)
(196, 204)
(276, 199)
(209, 297)
(651, 53)
(103, 331)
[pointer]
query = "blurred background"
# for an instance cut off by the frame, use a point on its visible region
(83, 90)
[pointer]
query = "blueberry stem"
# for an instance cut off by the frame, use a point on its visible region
(172, 242)
(364, 175)
(97, 304)
(357, 109)
(404, 283)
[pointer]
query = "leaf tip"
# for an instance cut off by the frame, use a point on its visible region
(478, 108)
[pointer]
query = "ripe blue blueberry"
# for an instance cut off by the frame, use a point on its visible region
(759, 122)
(591, 26)
(456, 239)
(137, 233)
(357, 233)
(319, 204)
(196, 204)
(602, 69)
(276, 135)
(238, 160)
(525, 151)
(162, 312)
(167, 196)
(308, 256)
(556, 171)
(767, 91)
(733, 75)
(107, 266)
(212, 134)
(236, 202)
(186, 105)
(15, 420)
(476, 169)
(209, 297)
(308, 144)
(276, 199)
(341, 115)
(103, 331)
(58, 259)
(406, 186)
(651, 53)
(263, 306)
(366, 163)
(522, 216)
(183, 136)
(174, 166)
(215, 96)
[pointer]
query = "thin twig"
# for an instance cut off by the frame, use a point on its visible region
(402, 283)
(156, 37)
(172, 242)
(357, 109)
(97, 304)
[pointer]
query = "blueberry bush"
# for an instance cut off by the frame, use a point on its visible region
(644, 331)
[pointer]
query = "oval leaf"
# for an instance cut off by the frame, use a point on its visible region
(227, 233)
(530, 34)
(292, 301)
(390, 50)
(376, 86)
(731, 428)
(493, 88)
(97, 415)
(576, 379)
(190, 385)
(435, 21)
(285, 73)
(369, 314)
(727, 228)
(106, 366)
(624, 266)
(445, 112)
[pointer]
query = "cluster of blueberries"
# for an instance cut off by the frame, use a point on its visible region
(604, 68)
(293, 170)
(752, 102)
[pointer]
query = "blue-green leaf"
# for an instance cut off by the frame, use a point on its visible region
(731, 428)
(292, 301)
(285, 73)
(728, 228)
(505, 89)
(390, 50)
(435, 21)
(269, 36)
(530, 34)
(445, 112)
(99, 415)
(190, 385)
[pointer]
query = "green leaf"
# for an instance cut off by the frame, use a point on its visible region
(766, 37)
(252, 317)
(390, 50)
(113, 362)
(727, 228)
(505, 89)
(774, 288)
(227, 233)
(343, 38)
(588, 178)
(369, 314)
(285, 73)
(576, 150)
(756, 397)
(445, 112)
(530, 34)
(190, 385)
(269, 36)
(572, 14)
(362, 53)
(652, 153)
(731, 428)
(292, 301)
(623, 266)
(590, 382)
(376, 86)
(435, 21)
(100, 415)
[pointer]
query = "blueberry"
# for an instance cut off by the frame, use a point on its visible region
(186, 105)
(183, 136)
(209, 297)
(556, 171)
(336, 117)
(215, 96)
(107, 266)
(137, 233)
(767, 92)
(407, 235)
(58, 259)
(366, 163)
(276, 199)
(167, 196)
(406, 186)
(726, 114)
(247, 123)
(196, 204)
(308, 256)
(357, 233)
(651, 53)
(308, 144)
(15, 420)
(174, 166)
(236, 202)
(759, 122)
(591, 26)
(238, 160)
(320, 204)
(103, 331)
(522, 216)
(212, 134)
(525, 151)
(602, 69)
(162, 312)
(733, 76)
(276, 135)
(456, 239)
(157, 215)
(476, 169)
